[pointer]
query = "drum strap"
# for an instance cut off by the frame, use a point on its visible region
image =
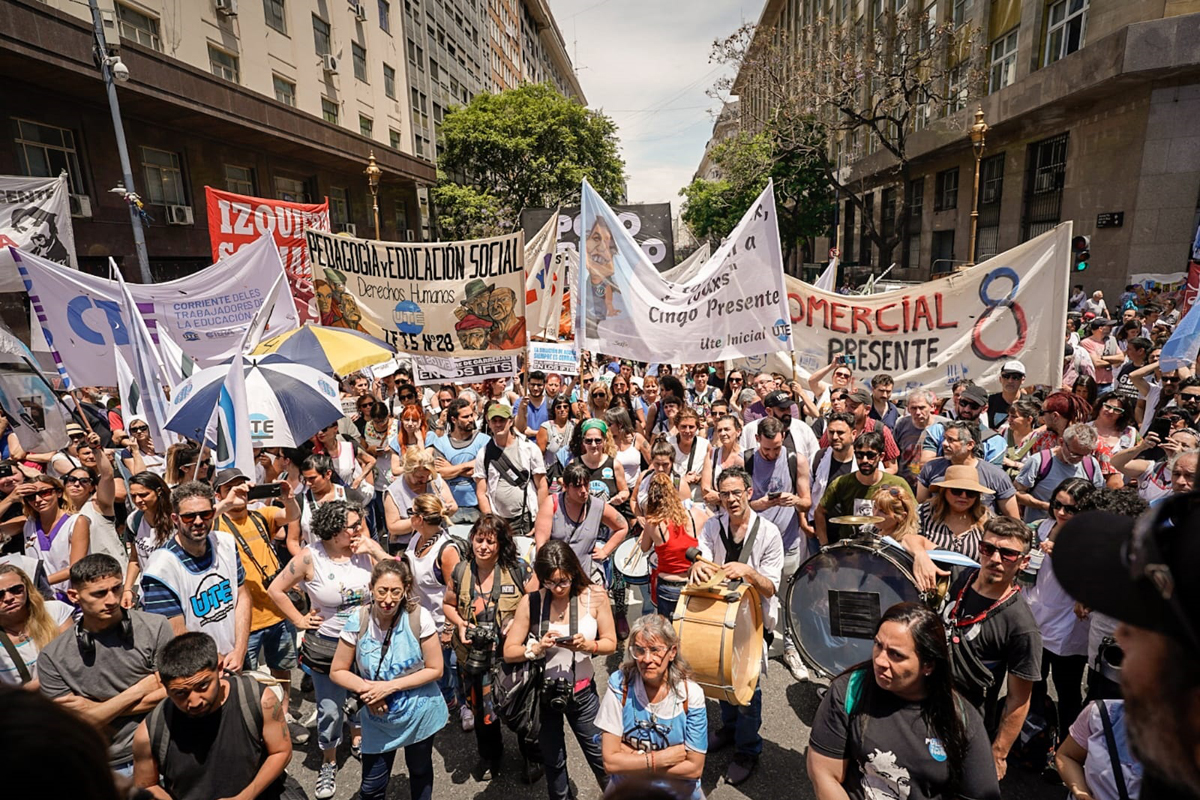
(743, 550)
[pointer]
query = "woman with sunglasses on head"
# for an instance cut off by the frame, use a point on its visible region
(1115, 422)
(566, 622)
(335, 573)
(148, 527)
(418, 478)
(27, 624)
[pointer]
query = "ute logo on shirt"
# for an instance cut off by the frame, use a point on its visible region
(213, 600)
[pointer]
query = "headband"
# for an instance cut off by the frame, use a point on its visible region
(593, 424)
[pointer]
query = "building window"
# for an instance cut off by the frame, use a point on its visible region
(222, 64)
(329, 110)
(961, 7)
(276, 15)
(137, 27)
(945, 195)
(393, 138)
(1066, 25)
(164, 178)
(366, 125)
(290, 189)
(389, 81)
(239, 179)
(991, 188)
(412, 52)
(956, 88)
(385, 16)
(1004, 62)
(434, 72)
(359, 54)
(339, 206)
(44, 152)
(914, 201)
(943, 252)
(887, 213)
(1047, 172)
(322, 36)
(420, 145)
(285, 91)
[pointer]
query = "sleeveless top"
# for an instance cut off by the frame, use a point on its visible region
(555, 440)
(774, 476)
(52, 547)
(337, 589)
(631, 460)
(309, 504)
(581, 534)
(430, 590)
(209, 598)
(103, 535)
(383, 444)
(512, 589)
(602, 481)
(558, 659)
(672, 554)
(463, 487)
(403, 496)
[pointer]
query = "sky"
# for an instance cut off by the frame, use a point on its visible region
(645, 63)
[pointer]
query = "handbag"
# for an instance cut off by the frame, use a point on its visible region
(517, 688)
(316, 653)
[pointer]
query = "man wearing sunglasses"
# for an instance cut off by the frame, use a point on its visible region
(1143, 573)
(854, 494)
(1012, 376)
(196, 579)
(958, 443)
(1043, 471)
(970, 405)
(992, 633)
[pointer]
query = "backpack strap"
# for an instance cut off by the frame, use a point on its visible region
(135, 524)
(250, 704)
(1045, 462)
(854, 691)
(160, 737)
(18, 662)
(1114, 755)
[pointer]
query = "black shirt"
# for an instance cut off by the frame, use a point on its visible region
(997, 410)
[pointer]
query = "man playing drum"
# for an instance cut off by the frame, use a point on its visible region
(750, 548)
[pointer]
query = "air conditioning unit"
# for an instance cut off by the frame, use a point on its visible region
(347, 227)
(227, 8)
(179, 215)
(81, 206)
(360, 11)
(330, 63)
(108, 18)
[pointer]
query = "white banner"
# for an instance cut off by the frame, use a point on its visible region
(33, 411)
(963, 326)
(432, 371)
(545, 280)
(35, 216)
(206, 314)
(548, 357)
(735, 305)
(686, 269)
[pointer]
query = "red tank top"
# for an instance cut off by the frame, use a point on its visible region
(672, 555)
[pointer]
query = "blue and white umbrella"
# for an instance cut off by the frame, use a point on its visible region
(288, 402)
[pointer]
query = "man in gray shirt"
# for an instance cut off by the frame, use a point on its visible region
(105, 667)
(958, 443)
(1073, 458)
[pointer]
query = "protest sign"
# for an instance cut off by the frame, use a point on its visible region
(235, 220)
(779, 362)
(963, 326)
(449, 299)
(650, 225)
(545, 280)
(548, 357)
(432, 371)
(733, 306)
(35, 216)
(206, 314)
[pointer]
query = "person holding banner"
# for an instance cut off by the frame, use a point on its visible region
(534, 408)
(509, 473)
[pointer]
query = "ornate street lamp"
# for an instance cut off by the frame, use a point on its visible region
(977, 133)
(373, 173)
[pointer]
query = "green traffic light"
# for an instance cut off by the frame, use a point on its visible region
(1081, 266)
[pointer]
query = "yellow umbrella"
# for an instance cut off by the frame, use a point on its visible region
(334, 351)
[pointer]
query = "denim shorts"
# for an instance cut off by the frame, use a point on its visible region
(278, 645)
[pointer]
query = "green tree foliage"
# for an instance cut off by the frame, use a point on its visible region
(803, 197)
(528, 147)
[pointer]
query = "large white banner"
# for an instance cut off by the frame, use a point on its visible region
(433, 371)
(964, 326)
(35, 216)
(735, 305)
(206, 314)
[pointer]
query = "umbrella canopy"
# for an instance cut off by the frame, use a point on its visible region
(288, 402)
(334, 351)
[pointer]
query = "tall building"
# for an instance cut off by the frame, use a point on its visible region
(1091, 107)
(727, 125)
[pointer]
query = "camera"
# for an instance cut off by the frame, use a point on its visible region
(557, 693)
(1109, 658)
(482, 649)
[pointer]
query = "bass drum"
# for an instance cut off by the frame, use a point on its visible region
(836, 598)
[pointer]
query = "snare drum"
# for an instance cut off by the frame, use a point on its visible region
(836, 598)
(629, 560)
(720, 630)
(526, 549)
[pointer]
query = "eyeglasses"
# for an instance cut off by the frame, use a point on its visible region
(971, 404)
(843, 375)
(1113, 409)
(1066, 508)
(735, 380)
(954, 490)
(139, 428)
(658, 651)
(987, 550)
(67, 481)
(1011, 376)
(192, 516)
(75, 436)
(1069, 451)
(1146, 559)
(1189, 397)
(353, 526)
(558, 584)
(1165, 379)
(16, 590)
(866, 455)
(731, 495)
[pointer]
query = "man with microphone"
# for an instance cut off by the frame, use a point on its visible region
(743, 546)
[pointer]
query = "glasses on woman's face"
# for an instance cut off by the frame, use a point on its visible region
(971, 493)
(70, 479)
(1066, 508)
(352, 526)
(735, 380)
(655, 651)
(843, 376)
(559, 584)
(45, 494)
(136, 429)
(1113, 409)
(16, 590)
(592, 441)
(987, 550)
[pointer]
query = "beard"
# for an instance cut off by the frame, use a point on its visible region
(1160, 731)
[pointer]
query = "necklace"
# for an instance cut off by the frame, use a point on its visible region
(423, 548)
(17, 636)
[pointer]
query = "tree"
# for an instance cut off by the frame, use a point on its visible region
(528, 147)
(803, 200)
(856, 91)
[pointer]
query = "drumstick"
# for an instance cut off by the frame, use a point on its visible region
(693, 554)
(633, 555)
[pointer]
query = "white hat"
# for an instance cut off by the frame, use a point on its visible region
(1013, 366)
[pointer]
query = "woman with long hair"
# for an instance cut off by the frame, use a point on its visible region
(1116, 425)
(394, 642)
(556, 433)
(1019, 425)
(897, 721)
(141, 453)
(725, 452)
(51, 534)
(1085, 387)
(662, 460)
(566, 622)
(735, 382)
(622, 398)
(1059, 410)
(952, 519)
(670, 529)
(652, 719)
(90, 492)
(592, 445)
(350, 463)
(148, 527)
(381, 440)
(598, 401)
(418, 477)
(27, 623)
(187, 461)
(413, 428)
(632, 448)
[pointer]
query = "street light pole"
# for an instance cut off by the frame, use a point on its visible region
(978, 131)
(373, 173)
(106, 65)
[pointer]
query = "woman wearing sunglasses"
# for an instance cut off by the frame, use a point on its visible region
(1114, 421)
(140, 453)
(52, 534)
(90, 492)
(27, 624)
(554, 435)
(953, 518)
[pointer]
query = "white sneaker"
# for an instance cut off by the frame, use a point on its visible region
(310, 720)
(791, 659)
(467, 717)
(326, 782)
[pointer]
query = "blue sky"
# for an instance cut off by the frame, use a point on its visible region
(645, 64)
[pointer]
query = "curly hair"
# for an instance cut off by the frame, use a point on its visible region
(330, 518)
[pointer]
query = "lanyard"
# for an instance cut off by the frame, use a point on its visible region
(981, 616)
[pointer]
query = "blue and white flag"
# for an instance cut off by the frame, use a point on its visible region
(1184, 345)
(145, 365)
(235, 448)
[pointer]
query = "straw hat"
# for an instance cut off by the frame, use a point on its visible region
(962, 477)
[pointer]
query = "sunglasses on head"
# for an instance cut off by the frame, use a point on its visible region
(987, 550)
(192, 516)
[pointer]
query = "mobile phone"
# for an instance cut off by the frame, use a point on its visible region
(564, 639)
(772, 495)
(1161, 426)
(6, 470)
(839, 360)
(267, 491)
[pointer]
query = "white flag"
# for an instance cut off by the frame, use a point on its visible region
(827, 282)
(234, 445)
(146, 366)
(258, 324)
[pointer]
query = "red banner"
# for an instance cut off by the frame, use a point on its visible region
(235, 220)
(1192, 290)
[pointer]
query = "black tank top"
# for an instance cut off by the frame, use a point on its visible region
(602, 481)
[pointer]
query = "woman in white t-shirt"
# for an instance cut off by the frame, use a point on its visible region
(27, 624)
(149, 526)
(50, 532)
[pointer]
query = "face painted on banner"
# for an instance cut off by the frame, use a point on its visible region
(600, 252)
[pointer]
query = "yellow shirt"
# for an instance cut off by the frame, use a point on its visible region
(265, 613)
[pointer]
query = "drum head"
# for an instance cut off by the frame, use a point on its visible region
(835, 600)
(629, 560)
(747, 648)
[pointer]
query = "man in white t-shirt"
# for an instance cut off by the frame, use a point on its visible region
(510, 473)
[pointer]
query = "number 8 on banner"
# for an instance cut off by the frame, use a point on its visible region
(982, 350)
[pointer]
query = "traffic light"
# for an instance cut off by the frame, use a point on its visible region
(1081, 252)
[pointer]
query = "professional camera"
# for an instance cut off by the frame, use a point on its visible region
(1109, 658)
(557, 693)
(482, 649)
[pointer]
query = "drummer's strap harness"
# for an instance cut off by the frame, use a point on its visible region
(968, 669)
(494, 455)
(739, 551)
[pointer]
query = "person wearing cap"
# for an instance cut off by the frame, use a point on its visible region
(993, 635)
(798, 436)
(1012, 376)
(1137, 354)
(853, 494)
(1142, 573)
(473, 332)
(1045, 469)
(255, 531)
(858, 405)
(959, 443)
(196, 579)
(60, 462)
(509, 473)
(970, 404)
(1102, 348)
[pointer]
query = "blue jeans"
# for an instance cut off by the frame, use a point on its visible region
(377, 771)
(448, 683)
(330, 717)
(668, 595)
(745, 721)
(278, 646)
(581, 714)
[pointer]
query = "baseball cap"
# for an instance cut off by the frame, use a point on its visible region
(860, 396)
(229, 476)
(499, 410)
(777, 399)
(1139, 571)
(1013, 366)
(1101, 322)
(975, 394)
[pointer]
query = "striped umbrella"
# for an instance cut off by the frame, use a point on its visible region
(288, 402)
(334, 351)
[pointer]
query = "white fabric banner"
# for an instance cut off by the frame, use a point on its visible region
(35, 216)
(735, 305)
(545, 280)
(548, 357)
(431, 371)
(963, 326)
(206, 313)
(32, 408)
(681, 272)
